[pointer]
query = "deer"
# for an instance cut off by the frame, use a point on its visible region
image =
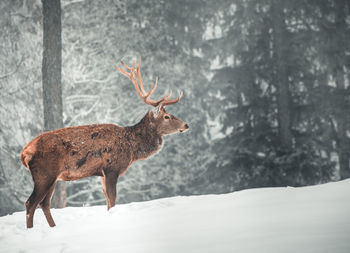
(104, 150)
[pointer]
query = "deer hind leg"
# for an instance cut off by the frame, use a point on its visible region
(45, 205)
(41, 189)
(109, 186)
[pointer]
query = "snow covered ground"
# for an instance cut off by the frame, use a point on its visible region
(307, 219)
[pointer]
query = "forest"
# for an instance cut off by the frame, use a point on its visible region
(265, 83)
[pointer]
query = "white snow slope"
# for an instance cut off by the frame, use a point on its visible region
(297, 220)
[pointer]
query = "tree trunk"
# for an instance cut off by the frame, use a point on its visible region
(281, 75)
(51, 78)
(339, 74)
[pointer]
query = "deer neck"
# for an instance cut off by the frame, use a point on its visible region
(145, 139)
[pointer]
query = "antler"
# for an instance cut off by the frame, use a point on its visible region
(134, 74)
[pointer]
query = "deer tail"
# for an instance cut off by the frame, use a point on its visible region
(26, 157)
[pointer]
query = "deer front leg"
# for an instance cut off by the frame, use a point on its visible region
(109, 185)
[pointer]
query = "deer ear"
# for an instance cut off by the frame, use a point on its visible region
(156, 111)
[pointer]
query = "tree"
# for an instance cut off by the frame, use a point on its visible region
(20, 96)
(340, 31)
(331, 42)
(280, 45)
(266, 96)
(51, 78)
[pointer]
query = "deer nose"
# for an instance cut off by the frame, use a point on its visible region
(186, 126)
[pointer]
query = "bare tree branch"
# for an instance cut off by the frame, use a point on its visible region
(13, 71)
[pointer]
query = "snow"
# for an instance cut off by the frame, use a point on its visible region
(306, 219)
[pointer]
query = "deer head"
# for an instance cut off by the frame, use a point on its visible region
(163, 122)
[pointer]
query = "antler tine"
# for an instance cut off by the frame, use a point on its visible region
(134, 74)
(153, 88)
(122, 71)
(130, 75)
(126, 66)
(170, 94)
(166, 101)
(138, 73)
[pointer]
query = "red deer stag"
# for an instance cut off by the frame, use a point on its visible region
(104, 150)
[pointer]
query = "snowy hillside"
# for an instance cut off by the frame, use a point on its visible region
(307, 219)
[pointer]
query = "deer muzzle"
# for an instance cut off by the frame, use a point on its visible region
(185, 128)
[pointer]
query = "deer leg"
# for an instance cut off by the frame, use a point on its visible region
(109, 185)
(45, 205)
(103, 182)
(38, 194)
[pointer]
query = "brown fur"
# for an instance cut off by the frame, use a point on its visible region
(104, 150)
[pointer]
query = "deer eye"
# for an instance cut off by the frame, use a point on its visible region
(166, 117)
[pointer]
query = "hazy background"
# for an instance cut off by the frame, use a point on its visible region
(265, 82)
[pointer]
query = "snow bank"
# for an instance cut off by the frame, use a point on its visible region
(307, 219)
